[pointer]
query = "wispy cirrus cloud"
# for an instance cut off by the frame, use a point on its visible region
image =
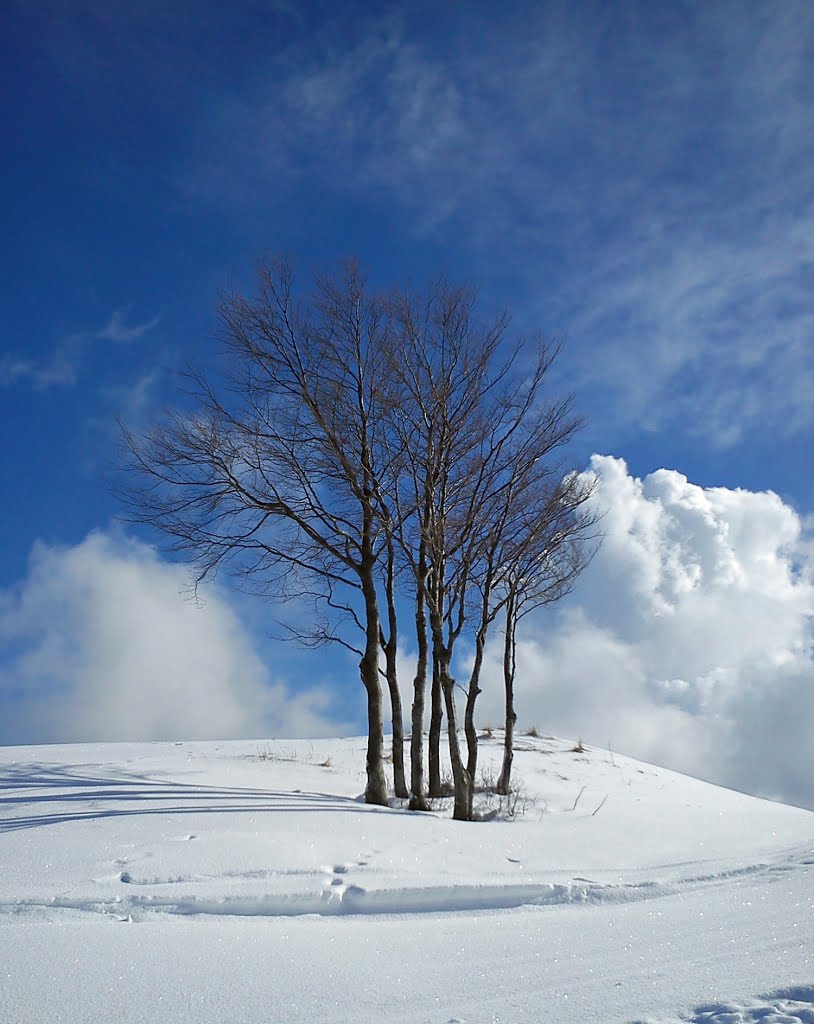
(60, 367)
(378, 114)
(710, 332)
(640, 175)
(116, 329)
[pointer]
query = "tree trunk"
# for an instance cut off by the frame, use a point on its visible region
(376, 788)
(391, 673)
(418, 801)
(472, 692)
(509, 662)
(436, 716)
(399, 779)
(461, 780)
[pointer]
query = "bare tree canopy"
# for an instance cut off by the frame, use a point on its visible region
(273, 472)
(480, 493)
(361, 449)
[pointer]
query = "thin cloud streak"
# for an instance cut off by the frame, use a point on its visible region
(62, 367)
(117, 331)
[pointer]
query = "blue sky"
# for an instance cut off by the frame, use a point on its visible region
(634, 177)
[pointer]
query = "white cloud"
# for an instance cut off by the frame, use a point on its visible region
(381, 112)
(59, 369)
(116, 330)
(688, 640)
(101, 644)
(61, 366)
(709, 327)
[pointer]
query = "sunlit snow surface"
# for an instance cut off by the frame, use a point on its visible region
(246, 882)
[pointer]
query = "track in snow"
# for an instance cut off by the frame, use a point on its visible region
(340, 896)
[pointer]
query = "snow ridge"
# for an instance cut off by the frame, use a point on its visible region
(338, 896)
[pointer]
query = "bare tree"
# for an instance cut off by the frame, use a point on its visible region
(274, 473)
(479, 441)
(439, 375)
(513, 515)
(541, 567)
(363, 446)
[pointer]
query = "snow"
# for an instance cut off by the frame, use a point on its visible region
(246, 881)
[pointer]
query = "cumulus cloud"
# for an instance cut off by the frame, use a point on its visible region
(101, 644)
(688, 641)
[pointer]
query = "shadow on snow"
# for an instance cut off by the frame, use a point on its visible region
(30, 787)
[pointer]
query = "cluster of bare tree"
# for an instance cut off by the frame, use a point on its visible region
(365, 450)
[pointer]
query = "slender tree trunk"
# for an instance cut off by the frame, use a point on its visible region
(436, 717)
(376, 788)
(461, 780)
(472, 692)
(391, 674)
(418, 801)
(509, 667)
(399, 779)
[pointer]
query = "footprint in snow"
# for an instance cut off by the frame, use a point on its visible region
(343, 869)
(792, 1006)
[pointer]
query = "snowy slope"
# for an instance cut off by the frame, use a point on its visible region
(199, 882)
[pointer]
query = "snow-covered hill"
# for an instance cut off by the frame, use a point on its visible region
(246, 882)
